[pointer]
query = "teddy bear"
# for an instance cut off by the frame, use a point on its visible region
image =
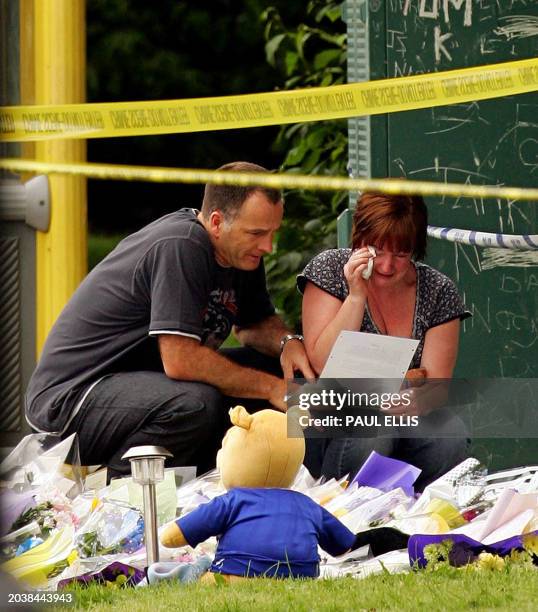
(263, 528)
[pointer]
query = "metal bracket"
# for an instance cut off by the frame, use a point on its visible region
(28, 202)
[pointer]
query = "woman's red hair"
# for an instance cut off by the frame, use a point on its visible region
(399, 221)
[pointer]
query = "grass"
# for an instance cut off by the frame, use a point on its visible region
(446, 589)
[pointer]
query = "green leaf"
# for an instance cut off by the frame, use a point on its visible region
(313, 225)
(315, 138)
(334, 12)
(301, 38)
(326, 81)
(324, 58)
(272, 46)
(334, 39)
(311, 160)
(290, 261)
(296, 154)
(291, 60)
(291, 83)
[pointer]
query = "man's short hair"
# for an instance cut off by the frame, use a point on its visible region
(229, 198)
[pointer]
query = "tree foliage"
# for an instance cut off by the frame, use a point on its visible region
(174, 49)
(311, 54)
(179, 49)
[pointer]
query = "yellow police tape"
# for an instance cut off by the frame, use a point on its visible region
(277, 181)
(103, 120)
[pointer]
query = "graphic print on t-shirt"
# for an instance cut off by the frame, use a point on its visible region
(219, 317)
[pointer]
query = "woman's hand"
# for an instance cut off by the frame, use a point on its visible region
(420, 400)
(357, 263)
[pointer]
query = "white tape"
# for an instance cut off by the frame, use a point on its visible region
(522, 242)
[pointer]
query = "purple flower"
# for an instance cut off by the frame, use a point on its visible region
(461, 554)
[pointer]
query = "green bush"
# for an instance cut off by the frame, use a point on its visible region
(313, 54)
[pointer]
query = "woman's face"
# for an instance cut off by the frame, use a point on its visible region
(390, 265)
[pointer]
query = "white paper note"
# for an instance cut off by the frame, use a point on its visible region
(361, 355)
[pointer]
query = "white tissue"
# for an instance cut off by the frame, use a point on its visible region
(368, 272)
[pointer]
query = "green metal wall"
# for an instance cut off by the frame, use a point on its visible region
(492, 142)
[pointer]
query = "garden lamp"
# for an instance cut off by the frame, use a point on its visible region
(147, 469)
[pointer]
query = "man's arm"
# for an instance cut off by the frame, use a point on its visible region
(186, 359)
(263, 336)
(266, 335)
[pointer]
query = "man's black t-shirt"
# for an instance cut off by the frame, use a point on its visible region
(162, 279)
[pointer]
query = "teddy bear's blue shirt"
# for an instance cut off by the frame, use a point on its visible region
(266, 532)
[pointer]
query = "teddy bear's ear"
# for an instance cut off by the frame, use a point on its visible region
(240, 417)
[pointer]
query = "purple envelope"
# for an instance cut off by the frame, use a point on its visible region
(387, 474)
(109, 573)
(464, 550)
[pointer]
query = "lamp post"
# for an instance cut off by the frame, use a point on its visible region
(147, 469)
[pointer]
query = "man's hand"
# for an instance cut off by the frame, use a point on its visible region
(293, 357)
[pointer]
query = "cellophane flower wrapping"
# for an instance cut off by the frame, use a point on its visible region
(38, 480)
(112, 528)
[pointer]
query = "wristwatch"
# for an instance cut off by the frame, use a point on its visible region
(288, 337)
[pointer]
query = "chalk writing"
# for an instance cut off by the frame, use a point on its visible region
(475, 267)
(439, 44)
(404, 70)
(517, 26)
(457, 4)
(514, 366)
(511, 284)
(528, 152)
(481, 319)
(396, 41)
(429, 9)
(496, 258)
(460, 115)
(484, 142)
(510, 321)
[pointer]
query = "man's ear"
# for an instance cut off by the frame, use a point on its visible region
(216, 223)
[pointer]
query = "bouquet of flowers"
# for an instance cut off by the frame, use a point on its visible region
(48, 509)
(113, 527)
(29, 518)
